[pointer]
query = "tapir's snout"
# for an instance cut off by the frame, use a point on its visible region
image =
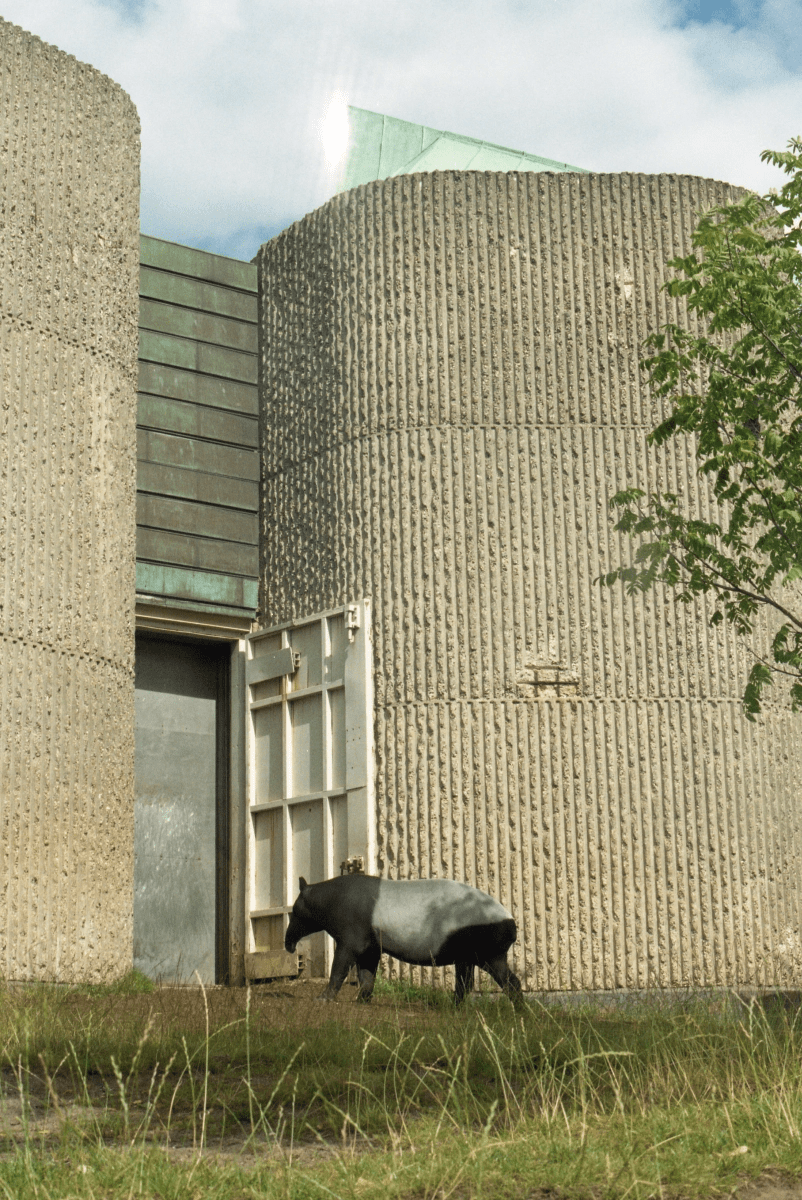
(303, 921)
(297, 929)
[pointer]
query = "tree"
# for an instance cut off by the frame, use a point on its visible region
(736, 383)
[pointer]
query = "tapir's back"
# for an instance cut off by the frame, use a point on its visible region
(413, 919)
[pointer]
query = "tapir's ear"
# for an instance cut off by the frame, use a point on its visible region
(302, 884)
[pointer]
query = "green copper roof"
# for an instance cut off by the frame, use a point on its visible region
(381, 146)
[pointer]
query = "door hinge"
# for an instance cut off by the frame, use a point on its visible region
(352, 620)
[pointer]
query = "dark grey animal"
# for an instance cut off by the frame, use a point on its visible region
(428, 922)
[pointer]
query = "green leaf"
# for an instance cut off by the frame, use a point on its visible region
(729, 373)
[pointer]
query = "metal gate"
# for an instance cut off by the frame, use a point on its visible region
(310, 773)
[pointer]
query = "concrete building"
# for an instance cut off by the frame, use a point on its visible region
(371, 475)
(450, 391)
(69, 264)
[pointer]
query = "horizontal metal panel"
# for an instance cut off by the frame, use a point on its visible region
(195, 455)
(212, 621)
(271, 666)
(197, 356)
(197, 485)
(178, 416)
(205, 520)
(196, 293)
(169, 256)
(204, 327)
(159, 379)
(206, 554)
(153, 579)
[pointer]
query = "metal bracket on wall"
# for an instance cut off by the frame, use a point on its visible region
(550, 678)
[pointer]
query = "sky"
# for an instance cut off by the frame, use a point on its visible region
(232, 93)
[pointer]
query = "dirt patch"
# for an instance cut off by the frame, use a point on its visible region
(302, 1155)
(37, 1120)
(770, 1187)
(291, 1004)
(80, 1040)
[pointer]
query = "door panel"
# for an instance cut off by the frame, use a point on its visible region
(310, 782)
(336, 731)
(268, 741)
(307, 736)
(268, 858)
(176, 810)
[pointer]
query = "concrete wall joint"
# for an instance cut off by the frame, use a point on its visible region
(291, 461)
(572, 700)
(67, 651)
(107, 357)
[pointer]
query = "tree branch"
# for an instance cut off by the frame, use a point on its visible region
(727, 586)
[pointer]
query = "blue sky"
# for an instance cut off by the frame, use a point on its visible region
(729, 11)
(231, 93)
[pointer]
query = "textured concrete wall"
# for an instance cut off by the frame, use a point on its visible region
(69, 252)
(451, 392)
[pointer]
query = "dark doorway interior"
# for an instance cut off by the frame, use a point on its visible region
(181, 810)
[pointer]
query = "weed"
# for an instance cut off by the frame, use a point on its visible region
(264, 1092)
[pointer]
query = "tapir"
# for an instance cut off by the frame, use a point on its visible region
(427, 922)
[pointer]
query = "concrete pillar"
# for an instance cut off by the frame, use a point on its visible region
(450, 393)
(69, 242)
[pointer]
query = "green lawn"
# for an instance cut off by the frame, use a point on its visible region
(123, 1092)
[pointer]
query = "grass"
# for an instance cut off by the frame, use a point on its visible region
(127, 1091)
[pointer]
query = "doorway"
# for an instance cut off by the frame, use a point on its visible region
(181, 820)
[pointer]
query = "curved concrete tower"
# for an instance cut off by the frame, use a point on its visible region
(451, 392)
(69, 243)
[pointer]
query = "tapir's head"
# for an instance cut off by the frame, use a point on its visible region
(302, 920)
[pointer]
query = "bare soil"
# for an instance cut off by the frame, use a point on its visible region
(769, 1187)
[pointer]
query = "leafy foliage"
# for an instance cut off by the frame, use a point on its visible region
(734, 381)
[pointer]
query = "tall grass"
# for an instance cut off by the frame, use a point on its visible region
(258, 1093)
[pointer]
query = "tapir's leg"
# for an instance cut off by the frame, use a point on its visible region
(464, 973)
(366, 966)
(499, 970)
(343, 961)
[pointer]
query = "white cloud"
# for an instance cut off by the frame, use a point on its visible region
(334, 130)
(232, 93)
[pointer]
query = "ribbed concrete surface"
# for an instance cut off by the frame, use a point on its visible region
(69, 253)
(451, 391)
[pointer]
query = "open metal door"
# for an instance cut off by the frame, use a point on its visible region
(309, 727)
